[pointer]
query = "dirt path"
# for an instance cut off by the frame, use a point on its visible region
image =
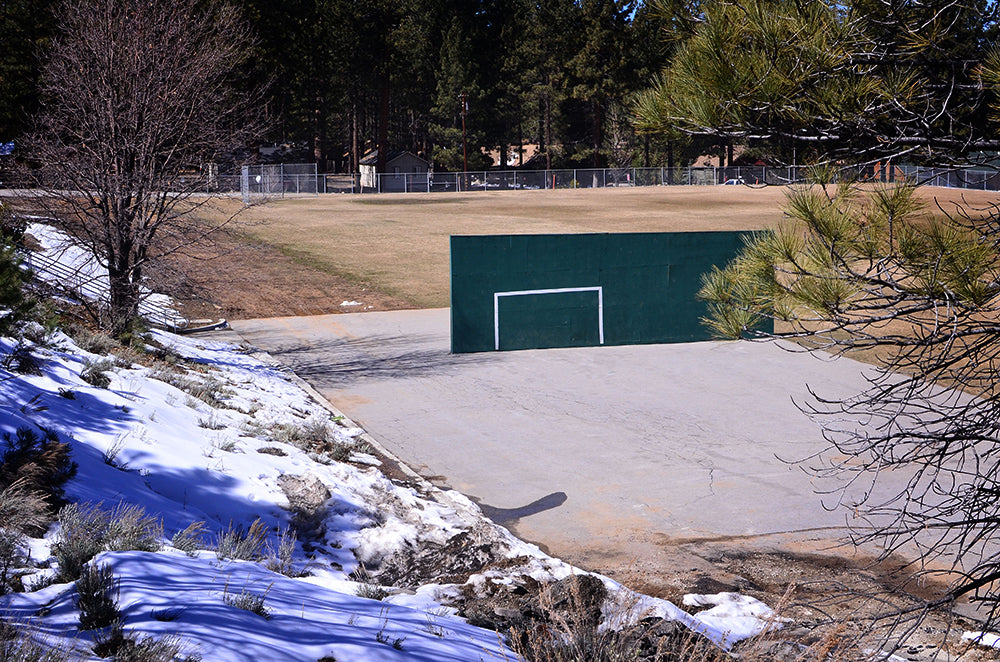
(238, 277)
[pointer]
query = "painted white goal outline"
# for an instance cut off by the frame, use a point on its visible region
(561, 290)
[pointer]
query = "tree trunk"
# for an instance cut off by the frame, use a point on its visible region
(383, 125)
(598, 136)
(547, 120)
(123, 294)
(670, 161)
(318, 134)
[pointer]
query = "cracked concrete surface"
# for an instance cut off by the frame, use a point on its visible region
(596, 454)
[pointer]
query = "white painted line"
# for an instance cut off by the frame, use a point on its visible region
(560, 290)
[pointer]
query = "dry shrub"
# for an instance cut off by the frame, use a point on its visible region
(95, 372)
(89, 341)
(20, 642)
(569, 625)
(190, 539)
(567, 628)
(368, 586)
(313, 436)
(85, 530)
(280, 559)
(243, 544)
(20, 511)
(210, 390)
(128, 647)
(22, 359)
(39, 464)
(247, 600)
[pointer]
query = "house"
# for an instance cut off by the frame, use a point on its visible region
(517, 155)
(404, 171)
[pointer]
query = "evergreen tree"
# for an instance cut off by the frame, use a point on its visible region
(458, 84)
(865, 80)
(15, 307)
(550, 42)
(871, 273)
(350, 75)
(25, 27)
(599, 67)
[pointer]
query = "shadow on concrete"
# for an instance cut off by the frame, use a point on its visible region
(337, 362)
(510, 516)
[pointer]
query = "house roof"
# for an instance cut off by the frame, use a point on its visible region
(371, 158)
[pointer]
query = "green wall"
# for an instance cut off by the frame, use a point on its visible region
(541, 290)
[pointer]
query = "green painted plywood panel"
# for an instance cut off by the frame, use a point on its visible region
(534, 291)
(535, 320)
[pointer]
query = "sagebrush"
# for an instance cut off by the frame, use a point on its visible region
(241, 543)
(87, 529)
(40, 463)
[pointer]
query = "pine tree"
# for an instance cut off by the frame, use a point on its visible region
(458, 84)
(25, 26)
(839, 82)
(599, 67)
(15, 307)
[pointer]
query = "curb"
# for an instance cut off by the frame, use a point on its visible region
(467, 512)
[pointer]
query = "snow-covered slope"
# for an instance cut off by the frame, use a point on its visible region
(142, 441)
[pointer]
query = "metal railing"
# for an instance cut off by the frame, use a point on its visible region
(297, 179)
(79, 284)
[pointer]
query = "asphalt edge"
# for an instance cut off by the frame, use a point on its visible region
(468, 512)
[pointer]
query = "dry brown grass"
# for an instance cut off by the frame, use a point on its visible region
(398, 243)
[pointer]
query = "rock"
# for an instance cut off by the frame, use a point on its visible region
(508, 614)
(579, 596)
(461, 555)
(657, 628)
(706, 585)
(307, 496)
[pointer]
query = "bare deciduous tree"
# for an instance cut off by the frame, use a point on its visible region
(871, 273)
(139, 99)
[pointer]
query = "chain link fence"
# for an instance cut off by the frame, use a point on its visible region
(289, 179)
(278, 179)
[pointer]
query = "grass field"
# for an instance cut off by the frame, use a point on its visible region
(398, 243)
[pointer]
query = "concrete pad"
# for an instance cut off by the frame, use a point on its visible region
(597, 454)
